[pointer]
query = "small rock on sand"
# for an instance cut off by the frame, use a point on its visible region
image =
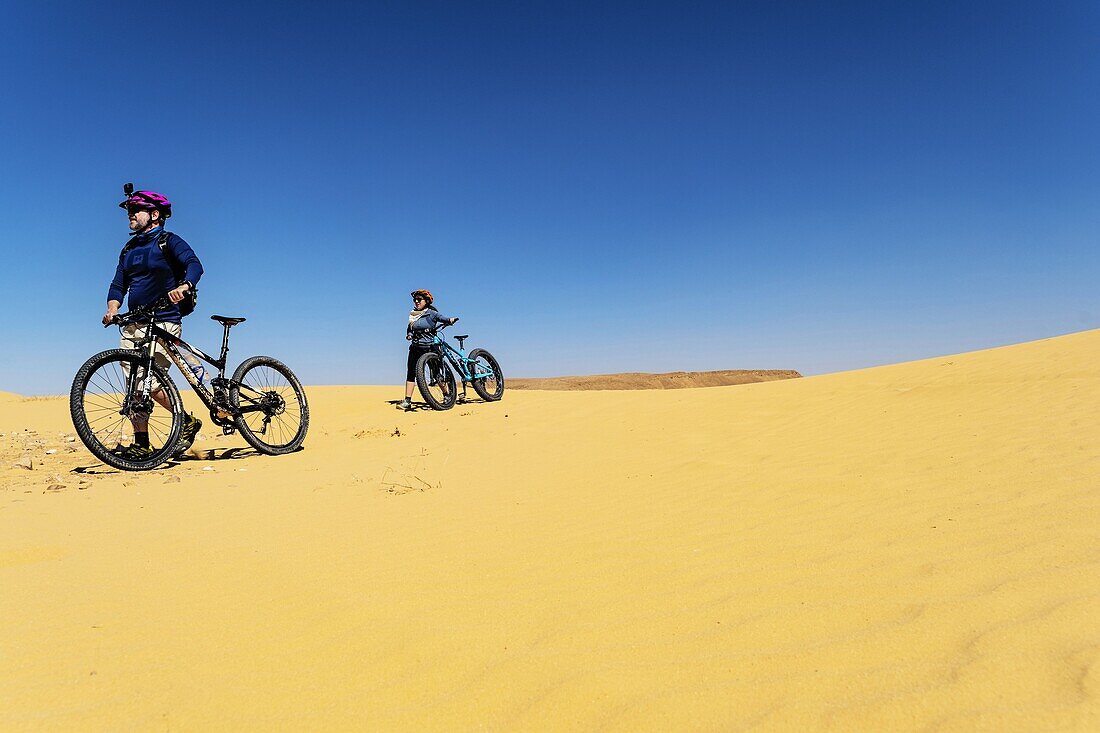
(172, 480)
(55, 487)
(24, 462)
(51, 451)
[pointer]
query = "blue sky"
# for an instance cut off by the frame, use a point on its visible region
(591, 187)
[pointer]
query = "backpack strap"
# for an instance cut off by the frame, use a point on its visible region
(162, 242)
(190, 299)
(177, 269)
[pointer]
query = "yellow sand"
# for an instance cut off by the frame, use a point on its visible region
(912, 547)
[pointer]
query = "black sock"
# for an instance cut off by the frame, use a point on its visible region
(141, 439)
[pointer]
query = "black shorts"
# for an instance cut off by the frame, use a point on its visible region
(415, 352)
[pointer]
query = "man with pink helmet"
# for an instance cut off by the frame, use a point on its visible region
(153, 263)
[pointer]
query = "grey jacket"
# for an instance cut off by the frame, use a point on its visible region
(422, 328)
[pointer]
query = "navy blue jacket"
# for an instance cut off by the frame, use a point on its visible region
(144, 272)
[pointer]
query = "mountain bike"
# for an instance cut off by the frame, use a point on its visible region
(119, 388)
(436, 380)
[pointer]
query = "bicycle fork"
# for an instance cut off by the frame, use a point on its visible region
(138, 404)
(437, 373)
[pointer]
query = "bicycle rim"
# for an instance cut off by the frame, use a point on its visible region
(108, 408)
(436, 382)
(487, 380)
(274, 414)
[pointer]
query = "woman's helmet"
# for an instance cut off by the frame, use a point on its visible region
(426, 294)
(149, 201)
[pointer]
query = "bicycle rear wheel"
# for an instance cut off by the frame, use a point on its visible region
(436, 381)
(488, 380)
(106, 406)
(274, 413)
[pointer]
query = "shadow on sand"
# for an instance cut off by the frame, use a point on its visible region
(419, 406)
(214, 454)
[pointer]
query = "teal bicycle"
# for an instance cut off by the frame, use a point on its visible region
(435, 373)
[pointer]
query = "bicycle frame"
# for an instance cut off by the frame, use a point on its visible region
(458, 359)
(217, 399)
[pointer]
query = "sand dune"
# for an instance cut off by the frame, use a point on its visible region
(911, 547)
(643, 380)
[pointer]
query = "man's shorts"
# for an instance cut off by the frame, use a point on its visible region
(134, 333)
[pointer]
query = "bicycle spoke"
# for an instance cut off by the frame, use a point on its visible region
(118, 400)
(437, 381)
(283, 425)
(107, 387)
(272, 408)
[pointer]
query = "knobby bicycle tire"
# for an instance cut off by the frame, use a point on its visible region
(96, 399)
(430, 369)
(480, 385)
(281, 423)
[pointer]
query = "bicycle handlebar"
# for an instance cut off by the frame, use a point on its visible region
(441, 326)
(137, 314)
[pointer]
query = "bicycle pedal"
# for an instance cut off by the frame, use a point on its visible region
(228, 430)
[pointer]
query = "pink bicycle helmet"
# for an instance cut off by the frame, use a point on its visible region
(148, 200)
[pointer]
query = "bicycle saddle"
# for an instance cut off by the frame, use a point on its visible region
(460, 339)
(227, 321)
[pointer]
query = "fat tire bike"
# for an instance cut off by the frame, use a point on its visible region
(435, 373)
(263, 400)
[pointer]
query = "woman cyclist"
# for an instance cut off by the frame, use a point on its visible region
(423, 320)
(145, 274)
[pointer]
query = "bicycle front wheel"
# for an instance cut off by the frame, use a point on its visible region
(109, 402)
(274, 414)
(436, 381)
(488, 380)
